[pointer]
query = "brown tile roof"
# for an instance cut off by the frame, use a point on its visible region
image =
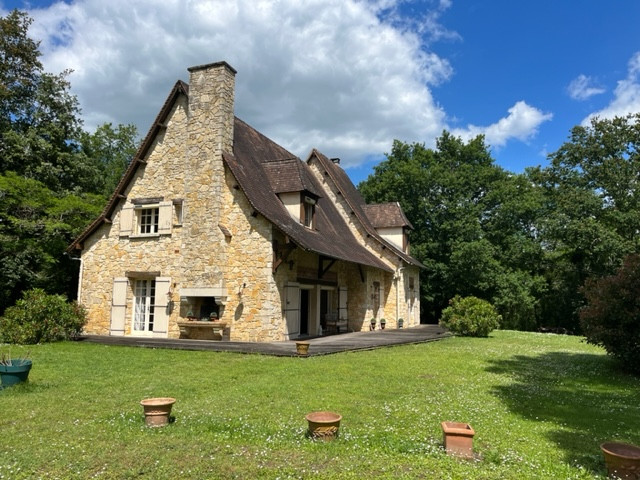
(383, 215)
(353, 198)
(330, 236)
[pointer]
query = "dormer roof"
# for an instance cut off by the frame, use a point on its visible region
(387, 215)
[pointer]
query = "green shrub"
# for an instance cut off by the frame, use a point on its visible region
(611, 318)
(470, 317)
(38, 317)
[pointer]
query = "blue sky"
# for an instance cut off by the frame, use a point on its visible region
(349, 77)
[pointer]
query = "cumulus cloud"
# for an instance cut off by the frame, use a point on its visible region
(521, 123)
(331, 74)
(626, 96)
(582, 88)
(344, 76)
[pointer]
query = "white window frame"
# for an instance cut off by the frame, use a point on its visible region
(147, 220)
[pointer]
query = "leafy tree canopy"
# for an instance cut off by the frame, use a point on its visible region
(474, 224)
(54, 176)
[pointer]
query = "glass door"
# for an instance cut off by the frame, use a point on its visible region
(145, 299)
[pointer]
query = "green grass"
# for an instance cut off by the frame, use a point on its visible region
(540, 405)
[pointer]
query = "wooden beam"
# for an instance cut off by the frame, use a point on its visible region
(280, 254)
(321, 268)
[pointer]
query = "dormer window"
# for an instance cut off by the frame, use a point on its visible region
(307, 211)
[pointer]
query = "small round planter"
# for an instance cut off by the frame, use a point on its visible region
(157, 411)
(302, 348)
(622, 460)
(323, 425)
(17, 372)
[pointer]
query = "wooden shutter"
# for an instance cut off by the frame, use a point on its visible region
(126, 221)
(292, 310)
(162, 307)
(165, 218)
(342, 304)
(119, 306)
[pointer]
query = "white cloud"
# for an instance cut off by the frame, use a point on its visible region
(344, 76)
(582, 88)
(331, 74)
(626, 96)
(522, 123)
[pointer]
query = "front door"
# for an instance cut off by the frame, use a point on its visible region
(145, 299)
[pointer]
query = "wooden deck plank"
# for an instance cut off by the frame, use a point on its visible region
(326, 345)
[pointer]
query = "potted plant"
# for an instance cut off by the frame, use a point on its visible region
(373, 324)
(14, 370)
(383, 323)
(400, 322)
(213, 316)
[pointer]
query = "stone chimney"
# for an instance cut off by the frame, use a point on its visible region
(211, 117)
(209, 134)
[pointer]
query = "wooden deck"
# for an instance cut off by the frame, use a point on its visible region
(345, 342)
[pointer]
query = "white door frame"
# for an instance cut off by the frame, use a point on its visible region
(144, 292)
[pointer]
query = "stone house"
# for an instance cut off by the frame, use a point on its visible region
(213, 219)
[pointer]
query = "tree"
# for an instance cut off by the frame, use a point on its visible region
(53, 176)
(611, 317)
(40, 123)
(36, 226)
(19, 69)
(591, 211)
(474, 225)
(113, 150)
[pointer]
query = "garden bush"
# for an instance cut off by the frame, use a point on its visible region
(470, 317)
(611, 317)
(38, 317)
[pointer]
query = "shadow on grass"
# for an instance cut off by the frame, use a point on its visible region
(583, 397)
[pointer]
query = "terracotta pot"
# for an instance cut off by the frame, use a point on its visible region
(302, 348)
(323, 425)
(157, 411)
(622, 460)
(458, 439)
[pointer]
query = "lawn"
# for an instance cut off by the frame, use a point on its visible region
(540, 405)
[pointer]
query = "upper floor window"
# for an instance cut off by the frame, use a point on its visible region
(148, 220)
(147, 217)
